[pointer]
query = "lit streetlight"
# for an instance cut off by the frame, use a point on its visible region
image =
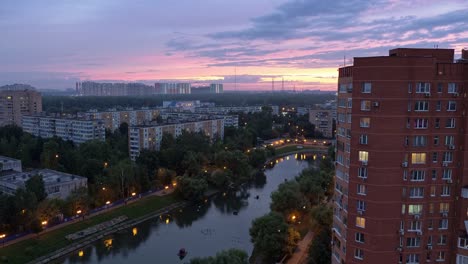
(3, 236)
(44, 223)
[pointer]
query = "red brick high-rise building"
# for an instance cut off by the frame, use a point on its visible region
(401, 190)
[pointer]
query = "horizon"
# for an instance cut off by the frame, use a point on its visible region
(244, 45)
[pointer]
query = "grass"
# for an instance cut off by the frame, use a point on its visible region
(31, 249)
(286, 149)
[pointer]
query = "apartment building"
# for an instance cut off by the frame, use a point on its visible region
(401, 185)
(235, 109)
(323, 121)
(229, 120)
(150, 136)
(172, 88)
(89, 88)
(9, 164)
(74, 129)
(57, 184)
(17, 100)
(113, 118)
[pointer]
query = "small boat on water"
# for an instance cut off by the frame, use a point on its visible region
(235, 213)
(182, 253)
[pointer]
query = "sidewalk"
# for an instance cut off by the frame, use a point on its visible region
(300, 255)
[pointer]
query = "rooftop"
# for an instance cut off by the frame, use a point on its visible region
(4, 159)
(50, 177)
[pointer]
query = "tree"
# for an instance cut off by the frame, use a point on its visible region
(269, 235)
(320, 252)
(293, 238)
(322, 216)
(35, 184)
(231, 256)
(192, 188)
(287, 199)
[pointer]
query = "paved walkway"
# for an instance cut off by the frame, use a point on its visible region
(302, 250)
(157, 193)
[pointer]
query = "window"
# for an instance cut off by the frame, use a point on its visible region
(452, 106)
(440, 87)
(350, 103)
(365, 105)
(360, 222)
(361, 205)
(349, 118)
(436, 140)
(415, 209)
(420, 106)
(441, 256)
(413, 242)
(361, 189)
(444, 207)
(364, 122)
(449, 140)
(433, 191)
(429, 240)
(412, 259)
(342, 103)
(418, 175)
(443, 224)
(359, 253)
(448, 156)
(450, 123)
(435, 157)
(364, 156)
(445, 190)
(442, 240)
(416, 192)
(430, 224)
(342, 88)
(452, 88)
(414, 226)
(422, 87)
(363, 139)
(447, 174)
(434, 175)
(362, 172)
(437, 123)
(418, 158)
(366, 87)
(431, 208)
(438, 106)
(419, 141)
(420, 123)
(359, 237)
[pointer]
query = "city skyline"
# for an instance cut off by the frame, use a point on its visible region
(53, 44)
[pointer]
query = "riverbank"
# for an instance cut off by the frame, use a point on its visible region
(44, 244)
(291, 149)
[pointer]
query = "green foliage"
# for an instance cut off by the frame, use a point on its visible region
(192, 188)
(322, 216)
(35, 185)
(288, 198)
(231, 256)
(293, 238)
(320, 252)
(269, 234)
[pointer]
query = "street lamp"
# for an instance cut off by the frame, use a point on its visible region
(57, 156)
(2, 236)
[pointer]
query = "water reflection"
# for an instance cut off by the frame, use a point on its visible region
(221, 222)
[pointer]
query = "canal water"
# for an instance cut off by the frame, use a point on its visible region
(220, 223)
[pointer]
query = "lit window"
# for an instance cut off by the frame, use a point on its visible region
(444, 207)
(363, 156)
(415, 209)
(418, 158)
(364, 122)
(365, 105)
(360, 222)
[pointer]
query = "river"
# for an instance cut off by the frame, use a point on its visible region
(221, 223)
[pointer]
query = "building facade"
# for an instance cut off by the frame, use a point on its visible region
(74, 129)
(113, 118)
(216, 88)
(149, 137)
(8, 164)
(323, 121)
(172, 88)
(57, 184)
(235, 109)
(18, 100)
(89, 88)
(401, 190)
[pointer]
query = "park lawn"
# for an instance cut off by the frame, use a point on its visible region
(292, 148)
(31, 249)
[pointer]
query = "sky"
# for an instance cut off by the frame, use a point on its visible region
(245, 44)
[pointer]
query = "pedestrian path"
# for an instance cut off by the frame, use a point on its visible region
(302, 251)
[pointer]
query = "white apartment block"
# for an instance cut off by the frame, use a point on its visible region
(323, 121)
(112, 118)
(57, 184)
(9, 164)
(74, 129)
(149, 137)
